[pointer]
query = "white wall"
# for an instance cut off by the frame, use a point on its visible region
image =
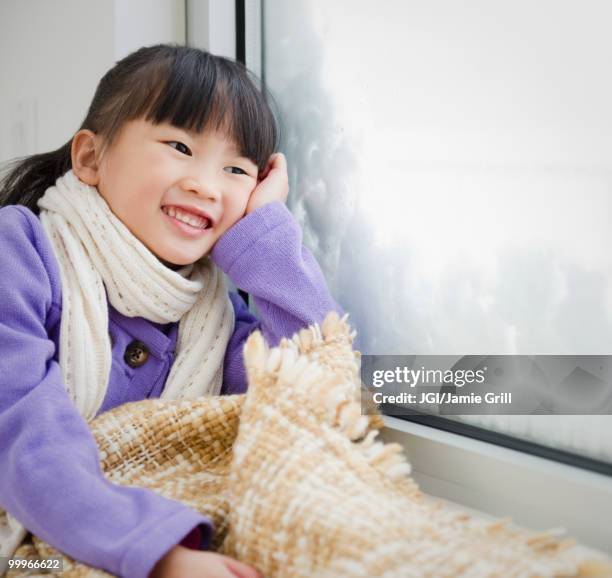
(144, 22)
(52, 55)
(211, 26)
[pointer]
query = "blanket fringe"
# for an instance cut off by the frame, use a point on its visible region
(335, 393)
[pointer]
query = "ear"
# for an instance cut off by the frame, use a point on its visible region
(85, 154)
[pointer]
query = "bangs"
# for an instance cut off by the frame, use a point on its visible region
(196, 91)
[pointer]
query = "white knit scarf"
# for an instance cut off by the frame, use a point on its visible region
(101, 259)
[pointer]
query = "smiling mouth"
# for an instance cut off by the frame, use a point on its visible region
(195, 221)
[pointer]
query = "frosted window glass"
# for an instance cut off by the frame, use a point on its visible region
(451, 164)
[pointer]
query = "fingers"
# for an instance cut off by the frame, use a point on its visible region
(278, 169)
(276, 162)
(272, 184)
(241, 570)
(264, 173)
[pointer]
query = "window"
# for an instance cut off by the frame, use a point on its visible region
(451, 164)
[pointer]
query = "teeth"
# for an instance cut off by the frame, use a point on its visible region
(189, 218)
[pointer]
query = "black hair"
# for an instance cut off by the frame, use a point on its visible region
(184, 86)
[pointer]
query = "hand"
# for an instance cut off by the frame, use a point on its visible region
(181, 562)
(272, 184)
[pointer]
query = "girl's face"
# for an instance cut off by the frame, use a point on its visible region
(176, 191)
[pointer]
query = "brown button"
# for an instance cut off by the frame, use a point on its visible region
(136, 354)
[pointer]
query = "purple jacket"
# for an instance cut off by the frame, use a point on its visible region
(50, 476)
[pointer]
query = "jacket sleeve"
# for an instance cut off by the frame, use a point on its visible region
(263, 255)
(50, 475)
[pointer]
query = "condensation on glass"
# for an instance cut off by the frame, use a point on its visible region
(451, 164)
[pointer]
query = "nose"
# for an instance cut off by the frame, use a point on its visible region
(202, 185)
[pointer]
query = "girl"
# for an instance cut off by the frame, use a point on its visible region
(111, 285)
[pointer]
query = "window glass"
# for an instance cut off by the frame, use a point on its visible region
(451, 164)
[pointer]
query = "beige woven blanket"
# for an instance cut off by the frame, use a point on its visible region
(297, 485)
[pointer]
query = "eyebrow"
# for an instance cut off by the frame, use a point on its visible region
(232, 148)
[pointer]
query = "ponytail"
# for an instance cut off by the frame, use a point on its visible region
(28, 178)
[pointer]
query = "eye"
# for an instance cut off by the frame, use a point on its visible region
(242, 172)
(185, 150)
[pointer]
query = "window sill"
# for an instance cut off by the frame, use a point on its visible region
(535, 492)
